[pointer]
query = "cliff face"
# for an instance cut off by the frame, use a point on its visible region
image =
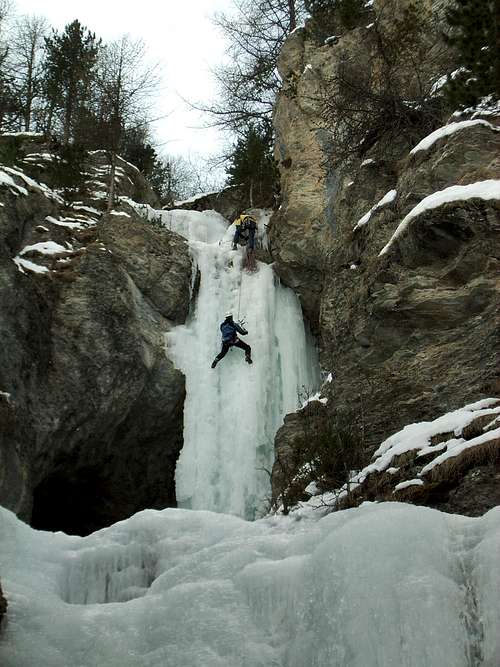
(91, 407)
(410, 332)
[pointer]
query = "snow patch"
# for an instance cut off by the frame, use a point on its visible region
(387, 199)
(489, 189)
(448, 130)
(407, 484)
(64, 223)
(46, 248)
(23, 264)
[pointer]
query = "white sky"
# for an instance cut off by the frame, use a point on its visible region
(179, 34)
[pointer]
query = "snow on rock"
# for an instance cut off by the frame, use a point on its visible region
(418, 436)
(457, 446)
(368, 162)
(46, 248)
(87, 209)
(31, 183)
(388, 584)
(489, 189)
(414, 460)
(9, 182)
(387, 199)
(449, 129)
(232, 412)
(314, 398)
(407, 484)
(442, 80)
(120, 213)
(23, 264)
(70, 223)
(195, 198)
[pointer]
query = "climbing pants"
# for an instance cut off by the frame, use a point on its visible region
(238, 343)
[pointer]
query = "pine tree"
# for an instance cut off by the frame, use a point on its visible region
(252, 165)
(332, 15)
(70, 63)
(475, 34)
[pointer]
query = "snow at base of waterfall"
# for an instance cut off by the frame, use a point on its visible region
(384, 584)
(232, 412)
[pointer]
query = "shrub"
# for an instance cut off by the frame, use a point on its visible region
(9, 150)
(67, 172)
(382, 90)
(325, 452)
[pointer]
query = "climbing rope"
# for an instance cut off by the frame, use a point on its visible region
(239, 295)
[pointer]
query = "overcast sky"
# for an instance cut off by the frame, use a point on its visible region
(178, 33)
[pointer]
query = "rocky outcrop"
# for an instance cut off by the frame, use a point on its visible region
(91, 407)
(412, 331)
(229, 202)
(301, 230)
(417, 326)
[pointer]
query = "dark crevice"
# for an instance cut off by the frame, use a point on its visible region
(77, 503)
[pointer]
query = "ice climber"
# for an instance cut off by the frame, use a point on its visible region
(229, 328)
(245, 227)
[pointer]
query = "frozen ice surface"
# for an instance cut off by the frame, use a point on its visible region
(232, 412)
(381, 585)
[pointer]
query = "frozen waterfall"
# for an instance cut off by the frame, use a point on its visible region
(385, 584)
(232, 413)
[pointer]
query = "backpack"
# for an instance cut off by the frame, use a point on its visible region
(228, 331)
(249, 222)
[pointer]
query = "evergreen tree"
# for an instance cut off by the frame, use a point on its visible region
(475, 33)
(70, 63)
(330, 16)
(252, 165)
(9, 103)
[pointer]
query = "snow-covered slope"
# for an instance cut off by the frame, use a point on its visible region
(381, 585)
(233, 412)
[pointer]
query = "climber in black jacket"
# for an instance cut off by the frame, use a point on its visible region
(229, 328)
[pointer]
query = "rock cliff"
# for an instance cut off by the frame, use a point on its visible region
(91, 407)
(3, 606)
(406, 314)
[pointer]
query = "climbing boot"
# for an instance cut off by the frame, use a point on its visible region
(214, 363)
(248, 359)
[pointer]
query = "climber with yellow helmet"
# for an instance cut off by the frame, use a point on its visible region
(245, 227)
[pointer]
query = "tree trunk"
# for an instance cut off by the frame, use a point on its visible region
(111, 192)
(292, 14)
